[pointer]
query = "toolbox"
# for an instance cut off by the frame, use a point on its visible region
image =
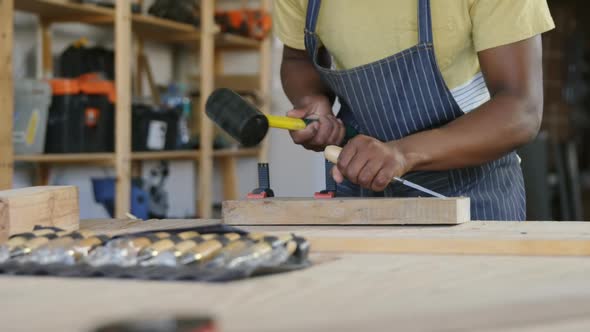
(154, 129)
(79, 59)
(81, 116)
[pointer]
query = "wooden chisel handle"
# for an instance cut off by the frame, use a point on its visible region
(332, 152)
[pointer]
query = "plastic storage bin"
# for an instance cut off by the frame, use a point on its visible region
(154, 129)
(31, 103)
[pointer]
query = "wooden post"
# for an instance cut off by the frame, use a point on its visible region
(147, 68)
(42, 170)
(123, 107)
(265, 81)
(46, 41)
(207, 85)
(227, 164)
(138, 86)
(6, 93)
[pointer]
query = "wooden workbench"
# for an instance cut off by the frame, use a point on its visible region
(343, 291)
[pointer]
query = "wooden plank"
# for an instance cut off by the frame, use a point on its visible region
(6, 94)
(127, 226)
(207, 55)
(22, 209)
(485, 230)
(123, 108)
(472, 238)
(350, 293)
(452, 246)
(347, 211)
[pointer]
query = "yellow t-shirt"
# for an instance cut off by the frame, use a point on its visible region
(359, 32)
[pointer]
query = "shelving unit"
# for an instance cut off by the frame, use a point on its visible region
(207, 39)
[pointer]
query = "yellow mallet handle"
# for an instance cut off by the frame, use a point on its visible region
(284, 122)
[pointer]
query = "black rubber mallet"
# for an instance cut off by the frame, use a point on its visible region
(245, 123)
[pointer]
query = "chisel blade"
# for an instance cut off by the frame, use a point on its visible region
(418, 187)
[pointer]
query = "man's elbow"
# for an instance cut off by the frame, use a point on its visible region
(531, 118)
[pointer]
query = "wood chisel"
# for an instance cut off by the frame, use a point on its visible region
(165, 244)
(61, 238)
(68, 252)
(141, 241)
(123, 251)
(259, 252)
(202, 252)
(20, 240)
(332, 152)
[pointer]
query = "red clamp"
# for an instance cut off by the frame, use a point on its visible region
(324, 195)
(261, 195)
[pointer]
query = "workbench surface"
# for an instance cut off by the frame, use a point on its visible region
(344, 291)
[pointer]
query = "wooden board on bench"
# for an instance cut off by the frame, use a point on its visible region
(23, 209)
(347, 211)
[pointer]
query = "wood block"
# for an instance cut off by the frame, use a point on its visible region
(347, 211)
(22, 209)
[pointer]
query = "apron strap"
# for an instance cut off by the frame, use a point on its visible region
(425, 22)
(311, 21)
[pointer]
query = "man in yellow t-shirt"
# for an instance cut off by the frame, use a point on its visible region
(441, 93)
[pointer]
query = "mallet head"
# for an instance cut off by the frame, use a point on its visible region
(237, 117)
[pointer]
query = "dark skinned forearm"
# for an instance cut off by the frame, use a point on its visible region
(299, 77)
(511, 118)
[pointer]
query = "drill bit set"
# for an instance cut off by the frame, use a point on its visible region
(205, 254)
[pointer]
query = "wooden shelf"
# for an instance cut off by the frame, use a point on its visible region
(108, 158)
(206, 41)
(249, 152)
(68, 158)
(60, 10)
(159, 29)
(146, 26)
(166, 155)
(226, 40)
(238, 83)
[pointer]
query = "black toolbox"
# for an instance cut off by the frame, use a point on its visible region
(154, 129)
(81, 116)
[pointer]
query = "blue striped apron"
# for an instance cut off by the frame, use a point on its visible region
(404, 94)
